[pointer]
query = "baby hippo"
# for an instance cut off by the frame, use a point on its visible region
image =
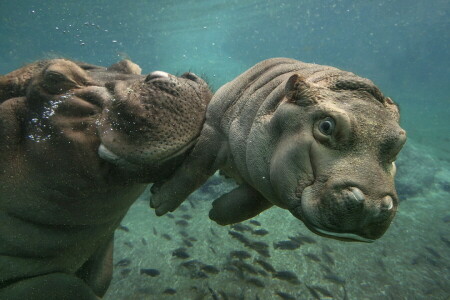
(77, 144)
(315, 140)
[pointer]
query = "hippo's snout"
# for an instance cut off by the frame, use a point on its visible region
(348, 213)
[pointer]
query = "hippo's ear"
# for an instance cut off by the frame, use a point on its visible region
(299, 91)
(125, 66)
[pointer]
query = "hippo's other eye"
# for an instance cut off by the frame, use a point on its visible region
(54, 76)
(327, 125)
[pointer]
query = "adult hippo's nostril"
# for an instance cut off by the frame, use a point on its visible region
(156, 74)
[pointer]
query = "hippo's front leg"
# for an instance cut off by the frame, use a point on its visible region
(97, 271)
(242, 203)
(195, 170)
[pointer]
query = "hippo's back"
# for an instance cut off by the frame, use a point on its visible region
(259, 90)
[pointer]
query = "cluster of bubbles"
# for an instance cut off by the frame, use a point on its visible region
(41, 129)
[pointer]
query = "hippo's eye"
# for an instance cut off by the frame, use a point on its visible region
(327, 125)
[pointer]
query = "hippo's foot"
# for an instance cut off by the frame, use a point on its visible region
(240, 204)
(50, 286)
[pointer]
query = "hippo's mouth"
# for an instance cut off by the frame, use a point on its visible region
(300, 212)
(122, 162)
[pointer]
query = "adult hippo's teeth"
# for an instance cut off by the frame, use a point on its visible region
(156, 74)
(106, 154)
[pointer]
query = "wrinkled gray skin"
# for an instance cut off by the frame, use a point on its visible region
(312, 139)
(77, 144)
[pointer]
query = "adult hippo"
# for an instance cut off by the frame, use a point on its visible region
(77, 145)
(313, 139)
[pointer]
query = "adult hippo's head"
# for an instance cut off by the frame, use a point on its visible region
(152, 118)
(138, 123)
(334, 164)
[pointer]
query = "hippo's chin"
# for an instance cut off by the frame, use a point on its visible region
(305, 210)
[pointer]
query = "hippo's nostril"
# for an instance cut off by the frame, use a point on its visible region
(156, 74)
(387, 203)
(357, 194)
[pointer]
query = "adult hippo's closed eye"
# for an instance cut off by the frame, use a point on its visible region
(313, 139)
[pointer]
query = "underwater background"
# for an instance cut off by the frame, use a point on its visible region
(401, 45)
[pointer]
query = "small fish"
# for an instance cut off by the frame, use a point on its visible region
(243, 266)
(240, 237)
(167, 237)
(312, 256)
(213, 294)
(446, 219)
(240, 254)
(144, 242)
(210, 269)
(212, 250)
(260, 232)
(325, 268)
(433, 252)
(286, 245)
(213, 232)
(254, 222)
(260, 247)
(124, 228)
(186, 217)
(432, 262)
(303, 238)
(415, 260)
(241, 227)
(123, 262)
(170, 291)
(183, 207)
(199, 275)
(334, 278)
(327, 257)
(182, 223)
(380, 262)
(224, 295)
(313, 292)
(128, 244)
(191, 203)
(284, 296)
(256, 282)
(150, 272)
(125, 272)
(184, 233)
(171, 216)
(187, 243)
(154, 231)
(191, 264)
(446, 241)
(266, 266)
(323, 291)
(192, 239)
(288, 276)
(262, 272)
(180, 253)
